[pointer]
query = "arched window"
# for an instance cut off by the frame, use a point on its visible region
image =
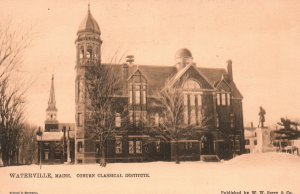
(191, 85)
(89, 52)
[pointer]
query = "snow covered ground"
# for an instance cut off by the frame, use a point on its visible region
(268, 172)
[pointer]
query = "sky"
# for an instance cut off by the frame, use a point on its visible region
(262, 38)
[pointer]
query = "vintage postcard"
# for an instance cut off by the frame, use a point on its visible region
(128, 96)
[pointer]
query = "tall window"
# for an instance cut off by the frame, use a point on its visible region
(223, 99)
(137, 96)
(156, 119)
(228, 99)
(192, 102)
(118, 120)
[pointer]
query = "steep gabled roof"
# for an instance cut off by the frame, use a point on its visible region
(157, 76)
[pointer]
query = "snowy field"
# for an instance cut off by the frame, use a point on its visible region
(269, 173)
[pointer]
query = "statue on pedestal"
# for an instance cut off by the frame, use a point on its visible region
(261, 114)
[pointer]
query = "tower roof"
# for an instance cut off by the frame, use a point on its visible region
(89, 24)
(52, 102)
(183, 53)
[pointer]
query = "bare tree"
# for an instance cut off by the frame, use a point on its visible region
(101, 85)
(13, 42)
(172, 105)
(27, 146)
(171, 101)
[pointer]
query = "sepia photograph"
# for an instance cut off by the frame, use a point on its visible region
(170, 96)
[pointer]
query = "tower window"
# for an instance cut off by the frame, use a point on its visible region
(89, 53)
(81, 52)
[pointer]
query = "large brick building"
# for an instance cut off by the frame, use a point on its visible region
(209, 93)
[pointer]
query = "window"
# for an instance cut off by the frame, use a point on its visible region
(223, 99)
(255, 142)
(130, 147)
(118, 120)
(186, 115)
(81, 52)
(232, 121)
(199, 117)
(185, 99)
(188, 145)
(217, 121)
(137, 97)
(131, 117)
(144, 97)
(247, 142)
(156, 119)
(130, 97)
(192, 100)
(199, 100)
(137, 118)
(79, 147)
(157, 146)
(118, 146)
(219, 99)
(228, 99)
(46, 155)
(89, 53)
(193, 117)
(191, 85)
(138, 147)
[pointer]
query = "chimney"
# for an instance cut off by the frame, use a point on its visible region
(130, 59)
(229, 70)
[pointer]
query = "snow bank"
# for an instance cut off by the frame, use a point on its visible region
(268, 172)
(268, 158)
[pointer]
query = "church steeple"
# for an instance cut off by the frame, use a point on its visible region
(51, 102)
(51, 111)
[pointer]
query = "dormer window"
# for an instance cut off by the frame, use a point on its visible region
(223, 98)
